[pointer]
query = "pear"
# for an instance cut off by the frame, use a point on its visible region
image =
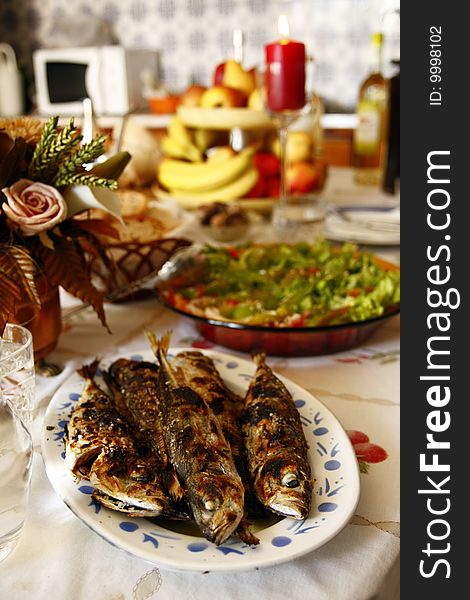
(236, 77)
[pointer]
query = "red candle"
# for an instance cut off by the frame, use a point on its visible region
(285, 74)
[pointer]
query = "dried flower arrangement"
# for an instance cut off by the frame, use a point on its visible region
(47, 190)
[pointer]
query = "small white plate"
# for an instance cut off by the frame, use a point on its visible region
(335, 496)
(372, 225)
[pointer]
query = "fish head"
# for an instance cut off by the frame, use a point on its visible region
(119, 473)
(217, 503)
(285, 486)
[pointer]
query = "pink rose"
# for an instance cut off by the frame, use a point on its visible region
(34, 206)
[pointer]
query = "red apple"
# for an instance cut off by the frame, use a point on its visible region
(222, 96)
(218, 78)
(192, 96)
(302, 177)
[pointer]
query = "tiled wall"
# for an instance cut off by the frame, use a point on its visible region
(195, 35)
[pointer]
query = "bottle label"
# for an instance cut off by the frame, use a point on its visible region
(367, 134)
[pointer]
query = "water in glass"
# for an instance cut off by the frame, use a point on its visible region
(16, 454)
(17, 371)
(299, 219)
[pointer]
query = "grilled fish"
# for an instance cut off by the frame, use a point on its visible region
(203, 377)
(94, 424)
(101, 447)
(136, 387)
(199, 452)
(132, 510)
(276, 445)
(119, 505)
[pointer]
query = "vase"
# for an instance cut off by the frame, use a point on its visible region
(44, 322)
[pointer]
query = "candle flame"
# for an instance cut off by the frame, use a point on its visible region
(283, 26)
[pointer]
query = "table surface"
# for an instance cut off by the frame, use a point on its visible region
(58, 556)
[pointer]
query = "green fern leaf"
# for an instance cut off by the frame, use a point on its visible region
(83, 155)
(39, 159)
(84, 179)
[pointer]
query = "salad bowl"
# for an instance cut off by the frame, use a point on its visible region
(286, 341)
(250, 318)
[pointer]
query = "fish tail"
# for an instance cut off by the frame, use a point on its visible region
(174, 487)
(245, 534)
(259, 358)
(89, 371)
(158, 345)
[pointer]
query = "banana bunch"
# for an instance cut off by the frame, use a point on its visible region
(196, 183)
(178, 142)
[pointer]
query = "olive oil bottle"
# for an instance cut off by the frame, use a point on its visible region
(370, 136)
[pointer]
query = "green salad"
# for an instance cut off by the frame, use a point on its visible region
(284, 285)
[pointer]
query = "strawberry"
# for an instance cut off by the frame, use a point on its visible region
(357, 437)
(370, 453)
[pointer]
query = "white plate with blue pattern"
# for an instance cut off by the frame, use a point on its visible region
(335, 496)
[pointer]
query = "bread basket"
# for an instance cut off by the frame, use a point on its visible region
(147, 239)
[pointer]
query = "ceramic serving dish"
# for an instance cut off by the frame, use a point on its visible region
(286, 341)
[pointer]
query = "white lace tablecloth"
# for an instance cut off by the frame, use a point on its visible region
(58, 556)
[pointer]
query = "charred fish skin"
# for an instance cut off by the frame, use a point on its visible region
(204, 378)
(137, 390)
(200, 453)
(94, 423)
(119, 466)
(276, 446)
(134, 385)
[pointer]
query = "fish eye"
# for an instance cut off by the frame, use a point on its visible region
(290, 480)
(210, 505)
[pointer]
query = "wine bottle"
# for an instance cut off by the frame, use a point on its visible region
(369, 141)
(392, 165)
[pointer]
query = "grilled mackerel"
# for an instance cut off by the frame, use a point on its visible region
(136, 388)
(203, 377)
(101, 447)
(276, 445)
(199, 452)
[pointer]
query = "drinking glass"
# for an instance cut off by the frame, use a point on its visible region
(16, 448)
(17, 371)
(295, 216)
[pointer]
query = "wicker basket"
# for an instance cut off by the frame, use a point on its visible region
(129, 261)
